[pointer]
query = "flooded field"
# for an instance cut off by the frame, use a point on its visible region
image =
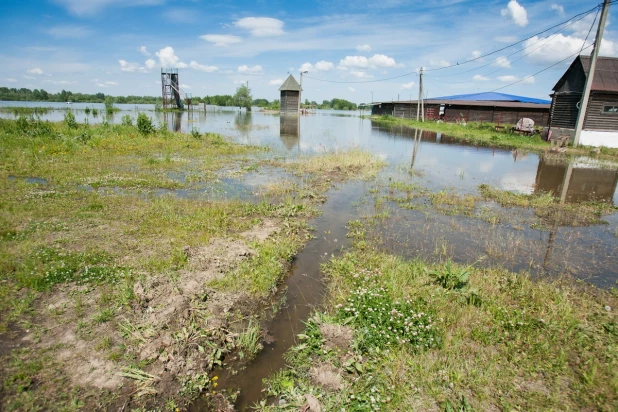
(434, 199)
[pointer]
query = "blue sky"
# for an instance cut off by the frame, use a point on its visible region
(118, 46)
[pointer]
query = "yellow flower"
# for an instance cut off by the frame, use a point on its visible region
(214, 378)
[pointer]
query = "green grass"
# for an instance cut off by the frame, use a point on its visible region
(506, 342)
(474, 132)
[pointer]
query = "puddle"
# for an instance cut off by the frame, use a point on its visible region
(33, 180)
(305, 289)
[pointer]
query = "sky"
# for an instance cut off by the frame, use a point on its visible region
(118, 47)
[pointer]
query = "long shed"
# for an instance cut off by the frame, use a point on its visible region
(601, 122)
(483, 107)
(290, 96)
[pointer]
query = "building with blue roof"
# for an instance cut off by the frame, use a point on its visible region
(484, 107)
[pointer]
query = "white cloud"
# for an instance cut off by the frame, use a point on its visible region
(352, 89)
(37, 71)
(321, 66)
(276, 82)
(363, 48)
(11, 80)
(29, 77)
(185, 86)
(408, 86)
(69, 32)
(502, 62)
(324, 66)
(125, 66)
(150, 64)
(508, 78)
(60, 82)
(559, 9)
(255, 70)
(517, 13)
(476, 54)
(105, 84)
(558, 47)
(439, 63)
(221, 40)
(90, 7)
(261, 26)
(479, 78)
(361, 62)
(360, 74)
(505, 39)
(145, 52)
(168, 58)
(202, 68)
(528, 80)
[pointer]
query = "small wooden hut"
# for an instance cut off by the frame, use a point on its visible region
(290, 96)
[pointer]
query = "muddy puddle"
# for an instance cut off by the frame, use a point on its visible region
(304, 290)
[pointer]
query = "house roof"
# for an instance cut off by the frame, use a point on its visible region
(491, 97)
(290, 84)
(605, 74)
(472, 103)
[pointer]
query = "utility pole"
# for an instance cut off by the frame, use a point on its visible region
(300, 93)
(419, 102)
(593, 64)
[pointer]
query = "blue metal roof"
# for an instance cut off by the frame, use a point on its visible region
(492, 96)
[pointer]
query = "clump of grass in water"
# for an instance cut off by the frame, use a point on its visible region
(354, 163)
(248, 341)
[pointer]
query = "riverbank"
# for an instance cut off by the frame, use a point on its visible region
(400, 334)
(133, 264)
(484, 134)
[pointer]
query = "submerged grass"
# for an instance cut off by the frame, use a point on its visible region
(496, 341)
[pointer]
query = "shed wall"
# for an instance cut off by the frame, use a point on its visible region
(595, 118)
(289, 101)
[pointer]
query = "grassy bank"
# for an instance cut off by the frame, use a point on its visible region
(484, 134)
(417, 336)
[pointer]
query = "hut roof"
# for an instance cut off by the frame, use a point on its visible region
(290, 84)
(491, 97)
(605, 74)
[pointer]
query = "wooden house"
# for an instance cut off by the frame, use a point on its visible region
(601, 122)
(477, 107)
(290, 96)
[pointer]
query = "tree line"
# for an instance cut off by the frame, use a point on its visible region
(242, 98)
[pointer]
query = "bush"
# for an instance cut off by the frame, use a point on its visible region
(196, 134)
(144, 124)
(126, 120)
(69, 120)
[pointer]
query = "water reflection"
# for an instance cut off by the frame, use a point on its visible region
(289, 131)
(575, 181)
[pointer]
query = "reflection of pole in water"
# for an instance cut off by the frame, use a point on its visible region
(417, 139)
(554, 229)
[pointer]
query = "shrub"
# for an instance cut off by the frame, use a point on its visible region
(196, 134)
(144, 124)
(126, 120)
(69, 120)
(87, 110)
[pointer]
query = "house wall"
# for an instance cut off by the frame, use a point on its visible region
(564, 110)
(596, 119)
(289, 101)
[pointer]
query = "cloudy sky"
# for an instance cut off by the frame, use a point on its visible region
(118, 46)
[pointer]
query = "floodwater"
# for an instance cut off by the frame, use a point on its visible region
(429, 160)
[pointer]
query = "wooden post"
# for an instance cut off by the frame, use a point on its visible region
(581, 116)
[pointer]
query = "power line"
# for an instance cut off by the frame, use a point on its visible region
(456, 65)
(541, 71)
(591, 26)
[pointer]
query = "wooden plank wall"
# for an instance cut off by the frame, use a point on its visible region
(289, 101)
(595, 118)
(564, 110)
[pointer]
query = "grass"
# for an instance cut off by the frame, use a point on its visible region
(500, 340)
(248, 342)
(474, 132)
(549, 209)
(339, 165)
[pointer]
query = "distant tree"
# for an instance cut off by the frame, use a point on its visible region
(242, 97)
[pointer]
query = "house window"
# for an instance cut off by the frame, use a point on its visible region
(610, 109)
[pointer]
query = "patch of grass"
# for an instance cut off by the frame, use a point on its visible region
(551, 339)
(344, 164)
(452, 203)
(473, 132)
(248, 341)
